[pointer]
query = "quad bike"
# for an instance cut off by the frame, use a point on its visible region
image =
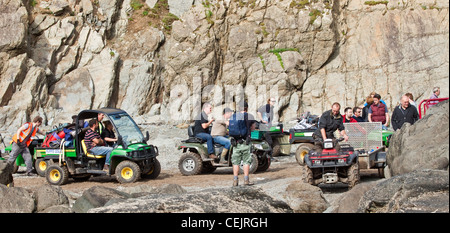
(330, 166)
(195, 160)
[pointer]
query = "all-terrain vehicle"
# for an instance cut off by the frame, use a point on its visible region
(195, 160)
(131, 157)
(330, 166)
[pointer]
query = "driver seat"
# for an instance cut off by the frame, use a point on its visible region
(89, 155)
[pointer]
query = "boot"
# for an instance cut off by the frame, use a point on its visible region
(222, 156)
(235, 182)
(247, 182)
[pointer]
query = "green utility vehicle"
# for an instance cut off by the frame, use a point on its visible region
(131, 158)
(280, 139)
(195, 160)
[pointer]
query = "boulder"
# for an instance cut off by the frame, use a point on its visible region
(16, 200)
(423, 145)
(418, 191)
(49, 196)
(217, 200)
(305, 198)
(95, 197)
(6, 173)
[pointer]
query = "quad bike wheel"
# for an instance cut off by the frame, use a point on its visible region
(127, 172)
(190, 164)
(57, 175)
(353, 175)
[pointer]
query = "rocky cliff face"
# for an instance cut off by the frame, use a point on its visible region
(159, 60)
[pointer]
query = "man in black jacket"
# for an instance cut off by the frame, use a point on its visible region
(404, 113)
(329, 122)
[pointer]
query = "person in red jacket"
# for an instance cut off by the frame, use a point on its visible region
(378, 112)
(347, 117)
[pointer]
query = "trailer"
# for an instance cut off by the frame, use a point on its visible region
(371, 141)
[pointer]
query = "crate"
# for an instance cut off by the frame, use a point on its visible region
(257, 135)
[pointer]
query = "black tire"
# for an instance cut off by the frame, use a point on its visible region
(127, 172)
(253, 165)
(301, 151)
(190, 164)
(276, 148)
(353, 175)
(307, 175)
(208, 168)
(263, 163)
(41, 166)
(153, 172)
(56, 175)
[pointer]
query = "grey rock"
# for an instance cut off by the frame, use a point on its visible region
(418, 191)
(238, 200)
(16, 200)
(48, 196)
(95, 197)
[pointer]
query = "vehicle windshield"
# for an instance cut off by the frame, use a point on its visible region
(127, 128)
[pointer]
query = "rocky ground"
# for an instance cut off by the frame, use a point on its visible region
(273, 182)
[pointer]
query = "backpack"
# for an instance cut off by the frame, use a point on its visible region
(238, 126)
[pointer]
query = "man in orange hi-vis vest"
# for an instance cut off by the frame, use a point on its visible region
(22, 139)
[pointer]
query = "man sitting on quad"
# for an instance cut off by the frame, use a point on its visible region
(329, 122)
(95, 144)
(219, 133)
(201, 128)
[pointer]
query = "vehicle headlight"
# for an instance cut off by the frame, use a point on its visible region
(328, 144)
(317, 162)
(341, 160)
(258, 146)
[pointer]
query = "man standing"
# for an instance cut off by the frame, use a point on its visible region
(405, 112)
(201, 128)
(241, 124)
(378, 112)
(22, 139)
(329, 122)
(95, 144)
(435, 95)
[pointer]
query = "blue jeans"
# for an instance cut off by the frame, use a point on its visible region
(102, 150)
(222, 141)
(209, 141)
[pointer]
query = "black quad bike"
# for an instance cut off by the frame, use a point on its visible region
(195, 160)
(330, 166)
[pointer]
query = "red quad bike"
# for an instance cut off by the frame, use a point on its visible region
(330, 166)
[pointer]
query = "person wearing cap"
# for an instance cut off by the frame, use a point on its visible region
(219, 133)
